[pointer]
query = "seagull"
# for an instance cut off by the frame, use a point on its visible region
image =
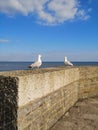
(37, 64)
(67, 62)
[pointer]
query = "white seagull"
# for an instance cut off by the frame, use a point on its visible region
(67, 62)
(37, 64)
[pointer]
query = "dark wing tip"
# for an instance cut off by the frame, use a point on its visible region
(29, 66)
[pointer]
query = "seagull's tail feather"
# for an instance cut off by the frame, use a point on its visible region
(29, 66)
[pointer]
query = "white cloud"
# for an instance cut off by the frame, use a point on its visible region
(64, 10)
(48, 11)
(3, 41)
(82, 15)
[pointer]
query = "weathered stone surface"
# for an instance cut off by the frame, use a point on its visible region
(82, 116)
(40, 97)
(8, 103)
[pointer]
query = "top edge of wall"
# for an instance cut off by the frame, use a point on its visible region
(16, 73)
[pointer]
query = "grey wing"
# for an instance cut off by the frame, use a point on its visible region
(70, 63)
(36, 64)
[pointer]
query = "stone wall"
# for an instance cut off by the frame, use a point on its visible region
(88, 82)
(36, 99)
(8, 103)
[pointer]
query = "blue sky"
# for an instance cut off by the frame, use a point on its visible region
(53, 28)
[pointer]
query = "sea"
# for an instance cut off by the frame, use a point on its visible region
(9, 66)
